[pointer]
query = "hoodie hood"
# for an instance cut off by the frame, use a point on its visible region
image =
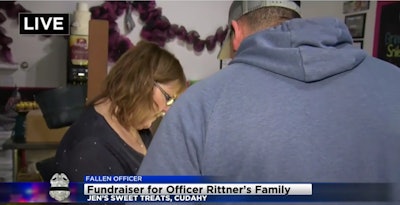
(303, 49)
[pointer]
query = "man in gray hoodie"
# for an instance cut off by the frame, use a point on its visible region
(297, 103)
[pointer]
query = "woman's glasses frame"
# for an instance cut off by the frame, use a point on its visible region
(168, 98)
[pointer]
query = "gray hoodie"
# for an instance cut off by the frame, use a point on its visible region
(298, 103)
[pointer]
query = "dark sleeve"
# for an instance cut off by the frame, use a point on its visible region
(89, 157)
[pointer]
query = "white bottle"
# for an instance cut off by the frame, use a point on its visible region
(79, 38)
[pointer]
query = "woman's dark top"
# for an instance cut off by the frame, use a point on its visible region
(92, 147)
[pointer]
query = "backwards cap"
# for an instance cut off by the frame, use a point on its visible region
(240, 8)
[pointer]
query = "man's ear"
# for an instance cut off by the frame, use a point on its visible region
(238, 35)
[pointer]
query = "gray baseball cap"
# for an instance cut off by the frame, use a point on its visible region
(240, 8)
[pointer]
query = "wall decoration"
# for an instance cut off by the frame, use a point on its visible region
(355, 6)
(356, 24)
(387, 32)
(358, 44)
(12, 9)
(156, 27)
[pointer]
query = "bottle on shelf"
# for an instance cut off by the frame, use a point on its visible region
(79, 45)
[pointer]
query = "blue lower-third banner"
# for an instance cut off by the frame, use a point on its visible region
(193, 191)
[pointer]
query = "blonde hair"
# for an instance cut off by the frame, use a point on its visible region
(129, 84)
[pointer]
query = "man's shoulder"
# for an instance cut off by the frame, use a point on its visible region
(371, 61)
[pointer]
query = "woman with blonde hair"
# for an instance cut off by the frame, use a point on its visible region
(112, 136)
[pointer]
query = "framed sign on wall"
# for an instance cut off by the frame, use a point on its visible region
(387, 32)
(356, 24)
(355, 6)
(358, 44)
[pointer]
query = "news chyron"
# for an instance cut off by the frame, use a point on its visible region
(44, 24)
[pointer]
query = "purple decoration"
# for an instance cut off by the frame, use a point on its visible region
(171, 32)
(6, 54)
(113, 37)
(124, 44)
(5, 40)
(12, 10)
(103, 13)
(6, 5)
(143, 16)
(160, 37)
(96, 10)
(220, 34)
(15, 10)
(120, 11)
(151, 15)
(162, 23)
(143, 6)
(111, 9)
(119, 7)
(122, 5)
(192, 36)
(210, 42)
(156, 27)
(182, 33)
(2, 18)
(113, 26)
(198, 45)
(114, 55)
(109, 6)
(146, 34)
(174, 28)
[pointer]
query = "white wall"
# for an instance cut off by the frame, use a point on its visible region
(311, 9)
(47, 57)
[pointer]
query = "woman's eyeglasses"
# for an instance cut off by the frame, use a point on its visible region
(170, 100)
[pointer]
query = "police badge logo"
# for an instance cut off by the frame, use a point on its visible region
(59, 189)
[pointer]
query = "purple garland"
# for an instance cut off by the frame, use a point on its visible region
(156, 28)
(11, 9)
